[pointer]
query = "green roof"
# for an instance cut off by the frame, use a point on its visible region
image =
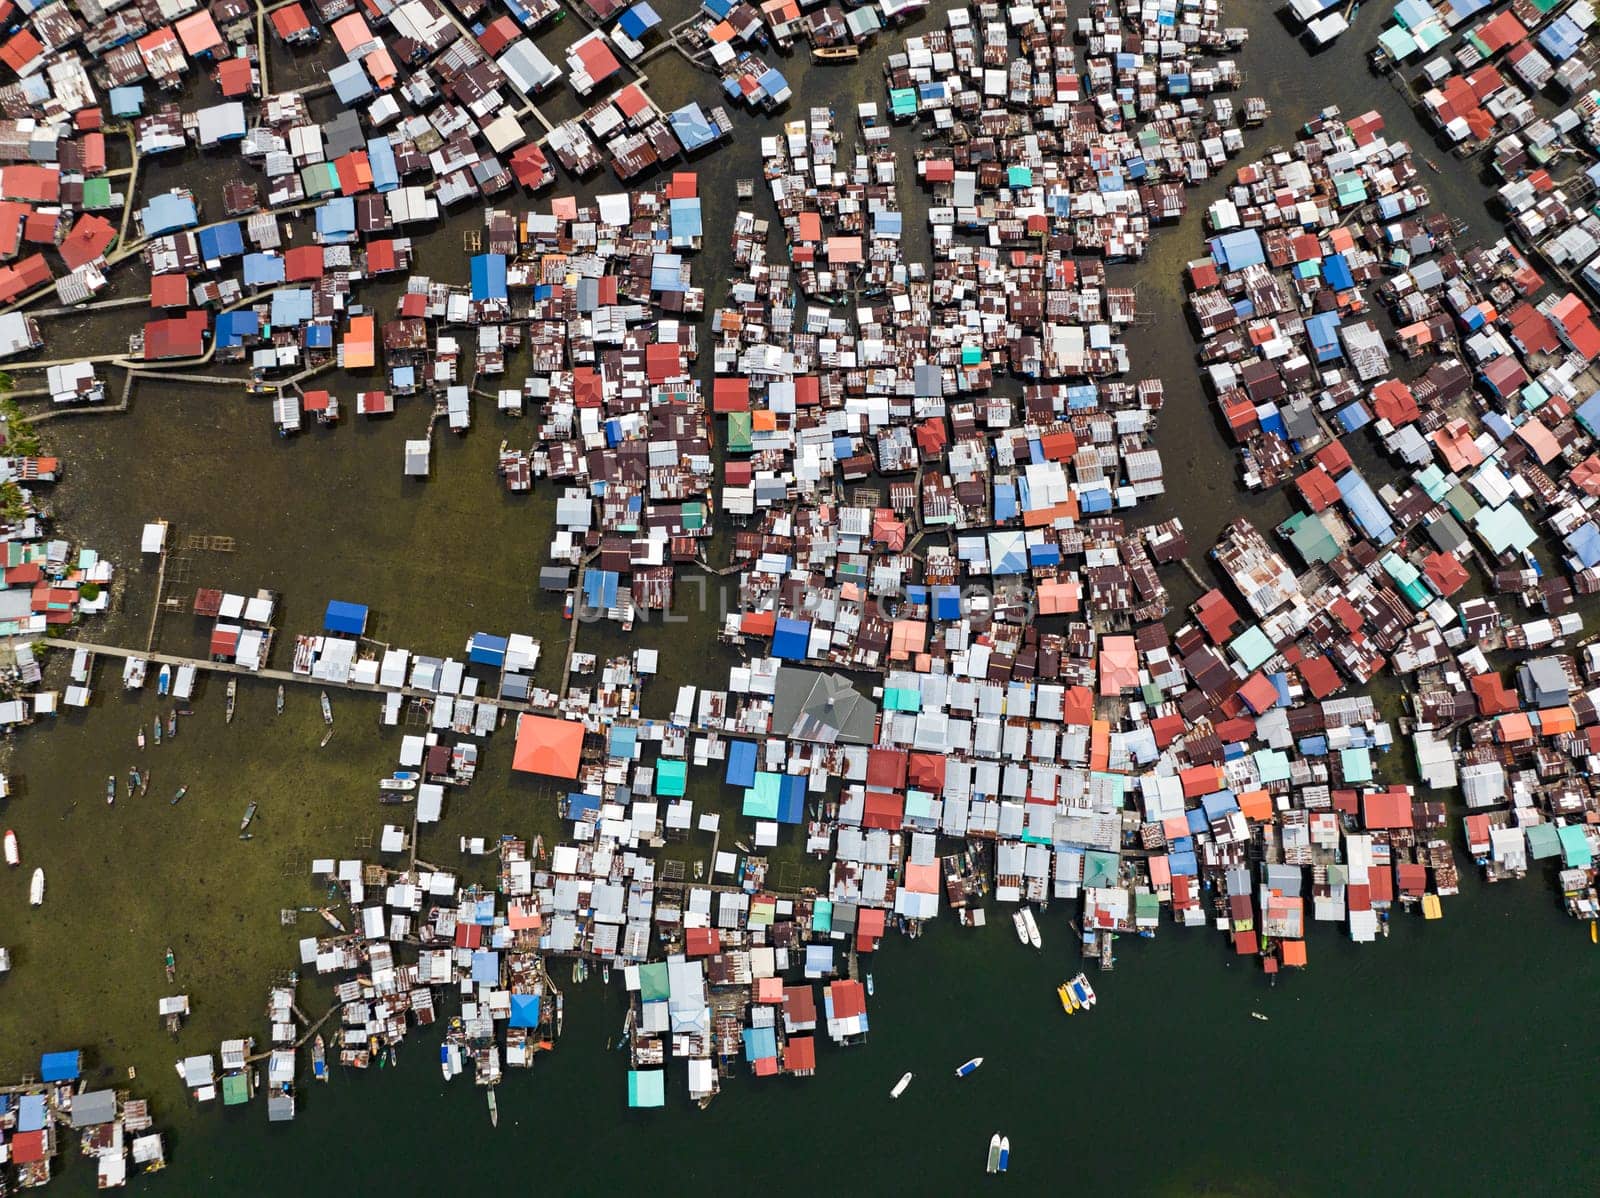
(739, 432)
(1100, 869)
(1310, 537)
(694, 516)
(672, 778)
(319, 178)
(653, 984)
(1543, 842)
(96, 194)
(235, 1089)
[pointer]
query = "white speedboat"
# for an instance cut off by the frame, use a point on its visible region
(1032, 927)
(1082, 992)
(968, 1068)
(900, 1086)
(36, 889)
(1021, 925)
(1005, 1153)
(994, 1153)
(13, 858)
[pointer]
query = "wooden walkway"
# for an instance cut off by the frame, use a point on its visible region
(235, 670)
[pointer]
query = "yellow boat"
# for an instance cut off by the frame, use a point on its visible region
(1068, 1003)
(1431, 907)
(1594, 933)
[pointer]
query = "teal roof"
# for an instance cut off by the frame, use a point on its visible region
(761, 800)
(672, 778)
(647, 1087)
(1251, 647)
(1356, 765)
(1575, 850)
(1543, 842)
(1271, 765)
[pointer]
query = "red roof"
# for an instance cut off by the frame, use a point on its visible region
(303, 262)
(169, 291)
(883, 809)
(24, 181)
(290, 20)
(380, 255)
(800, 1054)
(235, 76)
(178, 337)
(886, 768)
(548, 746)
(499, 34)
(1319, 675)
(1386, 809)
(702, 942)
(730, 394)
(849, 998)
(87, 240)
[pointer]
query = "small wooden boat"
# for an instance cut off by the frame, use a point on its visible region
(900, 1086)
(494, 1111)
(280, 698)
(333, 920)
(326, 737)
(172, 723)
(36, 889)
(835, 53)
(249, 814)
(1005, 1153)
(13, 858)
(111, 789)
(135, 780)
(327, 709)
(156, 731)
(144, 781)
(994, 1153)
(870, 991)
(182, 790)
(391, 799)
(140, 737)
(1258, 1015)
(171, 964)
(164, 680)
(319, 1053)
(233, 695)
(969, 1068)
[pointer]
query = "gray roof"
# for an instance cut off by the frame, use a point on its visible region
(93, 1107)
(823, 707)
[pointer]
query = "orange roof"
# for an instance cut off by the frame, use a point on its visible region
(547, 746)
(358, 343)
(1513, 726)
(1256, 804)
(1553, 721)
(1294, 952)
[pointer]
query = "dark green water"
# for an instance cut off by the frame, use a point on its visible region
(1454, 1057)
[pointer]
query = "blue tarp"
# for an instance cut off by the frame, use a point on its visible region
(741, 763)
(348, 618)
(59, 1066)
(790, 638)
(486, 649)
(488, 277)
(524, 1011)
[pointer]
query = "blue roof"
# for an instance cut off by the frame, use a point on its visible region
(1364, 507)
(717, 8)
(336, 220)
(792, 799)
(291, 307)
(127, 101)
(350, 82)
(686, 218)
(790, 638)
(221, 241)
(760, 1043)
(487, 649)
(600, 589)
(263, 270)
(234, 327)
(666, 273)
(319, 335)
(1561, 38)
(741, 769)
(1239, 249)
(946, 603)
(486, 967)
(59, 1066)
(167, 212)
(1588, 414)
(380, 157)
(524, 1011)
(622, 740)
(488, 277)
(349, 618)
(639, 20)
(579, 806)
(692, 127)
(1583, 543)
(1337, 272)
(32, 1112)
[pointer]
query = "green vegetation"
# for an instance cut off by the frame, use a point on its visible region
(13, 504)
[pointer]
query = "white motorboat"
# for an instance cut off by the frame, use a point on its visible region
(968, 1068)
(1031, 925)
(994, 1154)
(1021, 926)
(900, 1086)
(36, 889)
(13, 858)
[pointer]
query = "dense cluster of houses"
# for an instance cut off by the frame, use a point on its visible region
(39, 1118)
